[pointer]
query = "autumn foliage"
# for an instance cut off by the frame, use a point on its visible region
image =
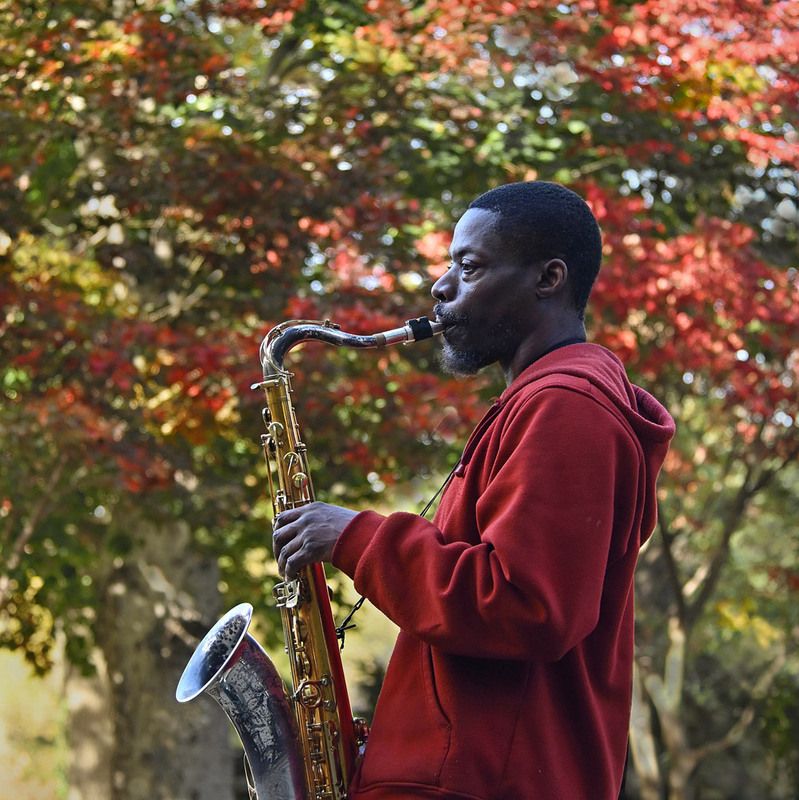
(177, 177)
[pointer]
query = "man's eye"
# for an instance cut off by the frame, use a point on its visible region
(464, 266)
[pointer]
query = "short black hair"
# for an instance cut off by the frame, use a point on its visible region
(543, 220)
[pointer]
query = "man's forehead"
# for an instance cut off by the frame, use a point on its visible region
(476, 233)
(458, 249)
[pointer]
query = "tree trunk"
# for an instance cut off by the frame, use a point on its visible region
(642, 742)
(91, 735)
(666, 696)
(158, 749)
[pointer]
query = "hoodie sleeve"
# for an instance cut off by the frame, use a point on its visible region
(559, 501)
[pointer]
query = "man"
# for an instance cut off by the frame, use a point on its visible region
(511, 676)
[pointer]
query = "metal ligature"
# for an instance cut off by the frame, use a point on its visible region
(301, 743)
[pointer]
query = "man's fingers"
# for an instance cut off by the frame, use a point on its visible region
(290, 543)
(307, 534)
(288, 557)
(290, 515)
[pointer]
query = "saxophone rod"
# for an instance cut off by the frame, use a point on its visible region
(284, 337)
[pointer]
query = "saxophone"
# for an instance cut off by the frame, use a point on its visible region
(301, 743)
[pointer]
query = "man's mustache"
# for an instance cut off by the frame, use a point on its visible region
(448, 318)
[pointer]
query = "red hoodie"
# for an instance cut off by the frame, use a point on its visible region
(511, 677)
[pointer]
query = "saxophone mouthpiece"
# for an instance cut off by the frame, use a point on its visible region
(422, 328)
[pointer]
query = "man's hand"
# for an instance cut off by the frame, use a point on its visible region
(306, 535)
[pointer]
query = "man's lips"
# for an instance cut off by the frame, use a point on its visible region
(448, 320)
(450, 328)
(451, 320)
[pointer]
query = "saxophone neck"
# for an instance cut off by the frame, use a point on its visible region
(281, 339)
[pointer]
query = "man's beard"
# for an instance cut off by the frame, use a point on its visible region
(461, 363)
(464, 358)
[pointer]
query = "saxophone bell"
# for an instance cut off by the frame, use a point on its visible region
(230, 666)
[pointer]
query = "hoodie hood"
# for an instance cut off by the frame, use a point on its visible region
(602, 373)
(647, 417)
(649, 421)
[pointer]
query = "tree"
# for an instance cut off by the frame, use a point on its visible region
(179, 176)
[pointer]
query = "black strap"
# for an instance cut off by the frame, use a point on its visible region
(346, 625)
(440, 489)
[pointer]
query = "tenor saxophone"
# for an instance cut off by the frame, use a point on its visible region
(300, 743)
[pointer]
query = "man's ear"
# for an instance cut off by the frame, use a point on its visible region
(552, 278)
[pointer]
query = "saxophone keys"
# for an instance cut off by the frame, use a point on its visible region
(308, 693)
(299, 632)
(313, 694)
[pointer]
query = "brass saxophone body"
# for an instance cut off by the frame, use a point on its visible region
(312, 755)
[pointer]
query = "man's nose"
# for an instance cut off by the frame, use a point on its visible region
(443, 289)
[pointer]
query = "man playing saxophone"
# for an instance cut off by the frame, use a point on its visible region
(511, 676)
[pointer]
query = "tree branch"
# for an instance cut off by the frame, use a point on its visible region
(39, 512)
(749, 489)
(671, 563)
(737, 730)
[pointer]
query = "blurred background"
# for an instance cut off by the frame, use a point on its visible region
(180, 176)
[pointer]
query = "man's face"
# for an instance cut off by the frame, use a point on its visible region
(486, 299)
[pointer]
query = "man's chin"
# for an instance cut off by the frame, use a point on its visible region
(459, 363)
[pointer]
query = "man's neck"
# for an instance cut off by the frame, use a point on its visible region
(530, 352)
